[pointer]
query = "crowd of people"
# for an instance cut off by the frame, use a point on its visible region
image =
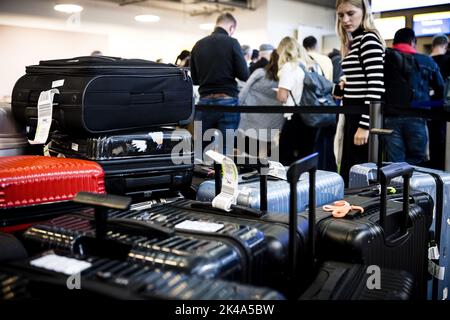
(229, 74)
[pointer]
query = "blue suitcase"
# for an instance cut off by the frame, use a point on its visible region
(329, 188)
(437, 184)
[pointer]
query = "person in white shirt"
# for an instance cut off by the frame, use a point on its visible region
(297, 139)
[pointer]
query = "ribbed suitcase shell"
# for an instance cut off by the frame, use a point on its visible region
(209, 257)
(329, 188)
(13, 139)
(360, 239)
(107, 94)
(343, 281)
(362, 175)
(130, 281)
(135, 164)
(30, 180)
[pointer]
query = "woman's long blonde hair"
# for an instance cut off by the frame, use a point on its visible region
(368, 24)
(289, 50)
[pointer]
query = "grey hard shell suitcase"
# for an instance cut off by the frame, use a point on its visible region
(46, 276)
(437, 184)
(106, 94)
(135, 164)
(329, 188)
(13, 139)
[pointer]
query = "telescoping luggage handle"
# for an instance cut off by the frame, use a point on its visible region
(103, 202)
(307, 164)
(388, 173)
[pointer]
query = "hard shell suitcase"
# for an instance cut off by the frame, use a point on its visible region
(329, 188)
(344, 281)
(13, 139)
(210, 256)
(30, 180)
(34, 188)
(391, 233)
(437, 184)
(134, 164)
(46, 277)
(336, 280)
(106, 94)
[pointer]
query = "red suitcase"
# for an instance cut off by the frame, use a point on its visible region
(26, 181)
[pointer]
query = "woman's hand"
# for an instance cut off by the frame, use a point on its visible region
(361, 137)
(341, 84)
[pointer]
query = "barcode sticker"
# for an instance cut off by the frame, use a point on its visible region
(45, 111)
(433, 253)
(202, 226)
(435, 270)
(60, 264)
(74, 146)
(57, 83)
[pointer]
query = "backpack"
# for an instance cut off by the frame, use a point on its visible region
(400, 72)
(447, 95)
(316, 92)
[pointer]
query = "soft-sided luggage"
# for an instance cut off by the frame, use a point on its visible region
(106, 94)
(329, 188)
(337, 280)
(36, 188)
(134, 164)
(391, 233)
(48, 276)
(13, 139)
(437, 184)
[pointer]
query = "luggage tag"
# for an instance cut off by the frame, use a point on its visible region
(276, 170)
(45, 110)
(435, 270)
(229, 193)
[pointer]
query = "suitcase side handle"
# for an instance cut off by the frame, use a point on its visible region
(388, 173)
(307, 164)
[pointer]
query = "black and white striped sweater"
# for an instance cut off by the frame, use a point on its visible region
(364, 72)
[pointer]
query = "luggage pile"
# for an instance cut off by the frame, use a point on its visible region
(267, 234)
(120, 113)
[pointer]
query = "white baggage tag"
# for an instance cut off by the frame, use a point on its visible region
(202, 226)
(277, 170)
(228, 195)
(60, 264)
(45, 110)
(433, 253)
(435, 270)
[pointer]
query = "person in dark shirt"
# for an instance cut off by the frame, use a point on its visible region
(265, 51)
(408, 142)
(438, 129)
(216, 61)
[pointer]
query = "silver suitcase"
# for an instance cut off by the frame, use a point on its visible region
(13, 141)
(329, 188)
(437, 184)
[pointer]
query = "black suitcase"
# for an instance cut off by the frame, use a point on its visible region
(48, 276)
(106, 94)
(335, 280)
(137, 164)
(390, 233)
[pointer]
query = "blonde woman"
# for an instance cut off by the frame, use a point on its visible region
(363, 50)
(297, 139)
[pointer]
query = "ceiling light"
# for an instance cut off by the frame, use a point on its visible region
(207, 26)
(68, 8)
(147, 18)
